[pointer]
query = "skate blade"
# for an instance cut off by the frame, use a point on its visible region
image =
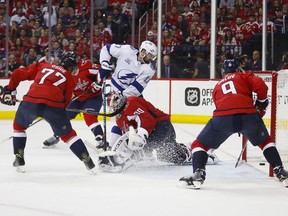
(196, 185)
(285, 183)
(111, 169)
(49, 147)
(93, 171)
(20, 169)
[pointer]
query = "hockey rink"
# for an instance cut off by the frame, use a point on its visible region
(56, 183)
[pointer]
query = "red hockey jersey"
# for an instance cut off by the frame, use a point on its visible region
(233, 94)
(53, 85)
(140, 113)
(88, 73)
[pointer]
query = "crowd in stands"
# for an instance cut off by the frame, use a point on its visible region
(185, 26)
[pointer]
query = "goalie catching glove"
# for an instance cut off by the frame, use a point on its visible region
(261, 106)
(9, 97)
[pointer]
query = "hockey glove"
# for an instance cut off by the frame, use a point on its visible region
(106, 69)
(9, 97)
(137, 140)
(261, 106)
(95, 87)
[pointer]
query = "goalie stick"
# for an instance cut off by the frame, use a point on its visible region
(98, 113)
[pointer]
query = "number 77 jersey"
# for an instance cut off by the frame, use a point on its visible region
(53, 85)
(233, 94)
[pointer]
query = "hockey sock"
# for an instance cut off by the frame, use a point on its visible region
(19, 144)
(97, 130)
(79, 149)
(272, 156)
(199, 160)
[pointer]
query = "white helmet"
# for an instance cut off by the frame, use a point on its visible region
(150, 48)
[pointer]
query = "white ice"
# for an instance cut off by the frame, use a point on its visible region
(57, 183)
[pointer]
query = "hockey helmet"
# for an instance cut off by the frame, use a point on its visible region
(150, 51)
(115, 101)
(229, 66)
(69, 61)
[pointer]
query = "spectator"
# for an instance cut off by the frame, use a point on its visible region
(168, 42)
(256, 63)
(34, 44)
(201, 67)
(244, 61)
(121, 31)
(151, 37)
(18, 49)
(71, 47)
(52, 17)
(284, 62)
(46, 58)
(66, 10)
(24, 26)
(12, 65)
(56, 50)
(226, 3)
(31, 58)
(193, 37)
(169, 70)
(17, 17)
(44, 39)
(63, 40)
(182, 25)
(37, 31)
(98, 42)
(83, 49)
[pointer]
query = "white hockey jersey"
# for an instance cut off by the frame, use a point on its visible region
(130, 76)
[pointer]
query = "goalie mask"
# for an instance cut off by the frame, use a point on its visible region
(115, 101)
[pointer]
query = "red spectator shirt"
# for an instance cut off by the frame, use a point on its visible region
(233, 94)
(87, 73)
(53, 85)
(140, 113)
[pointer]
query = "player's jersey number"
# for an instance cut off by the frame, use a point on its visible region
(48, 72)
(228, 87)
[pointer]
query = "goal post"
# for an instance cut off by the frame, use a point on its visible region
(275, 119)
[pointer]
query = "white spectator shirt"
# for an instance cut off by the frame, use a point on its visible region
(130, 76)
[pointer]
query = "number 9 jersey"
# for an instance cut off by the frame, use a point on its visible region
(233, 94)
(53, 85)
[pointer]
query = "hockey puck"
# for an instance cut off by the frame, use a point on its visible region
(262, 164)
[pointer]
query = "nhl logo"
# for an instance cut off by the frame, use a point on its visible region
(192, 96)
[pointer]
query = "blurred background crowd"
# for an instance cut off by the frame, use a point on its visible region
(30, 32)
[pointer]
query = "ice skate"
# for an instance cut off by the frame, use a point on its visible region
(51, 141)
(108, 164)
(101, 145)
(281, 174)
(212, 159)
(19, 163)
(89, 164)
(195, 181)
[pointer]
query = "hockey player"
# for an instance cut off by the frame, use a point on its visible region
(87, 96)
(134, 68)
(48, 96)
(141, 128)
(235, 113)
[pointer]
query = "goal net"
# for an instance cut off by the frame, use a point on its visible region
(276, 119)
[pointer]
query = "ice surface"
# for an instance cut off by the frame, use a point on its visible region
(57, 183)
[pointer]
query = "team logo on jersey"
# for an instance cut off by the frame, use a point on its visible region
(126, 76)
(192, 96)
(81, 85)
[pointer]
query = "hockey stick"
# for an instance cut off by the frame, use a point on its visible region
(242, 151)
(33, 123)
(98, 113)
(104, 112)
